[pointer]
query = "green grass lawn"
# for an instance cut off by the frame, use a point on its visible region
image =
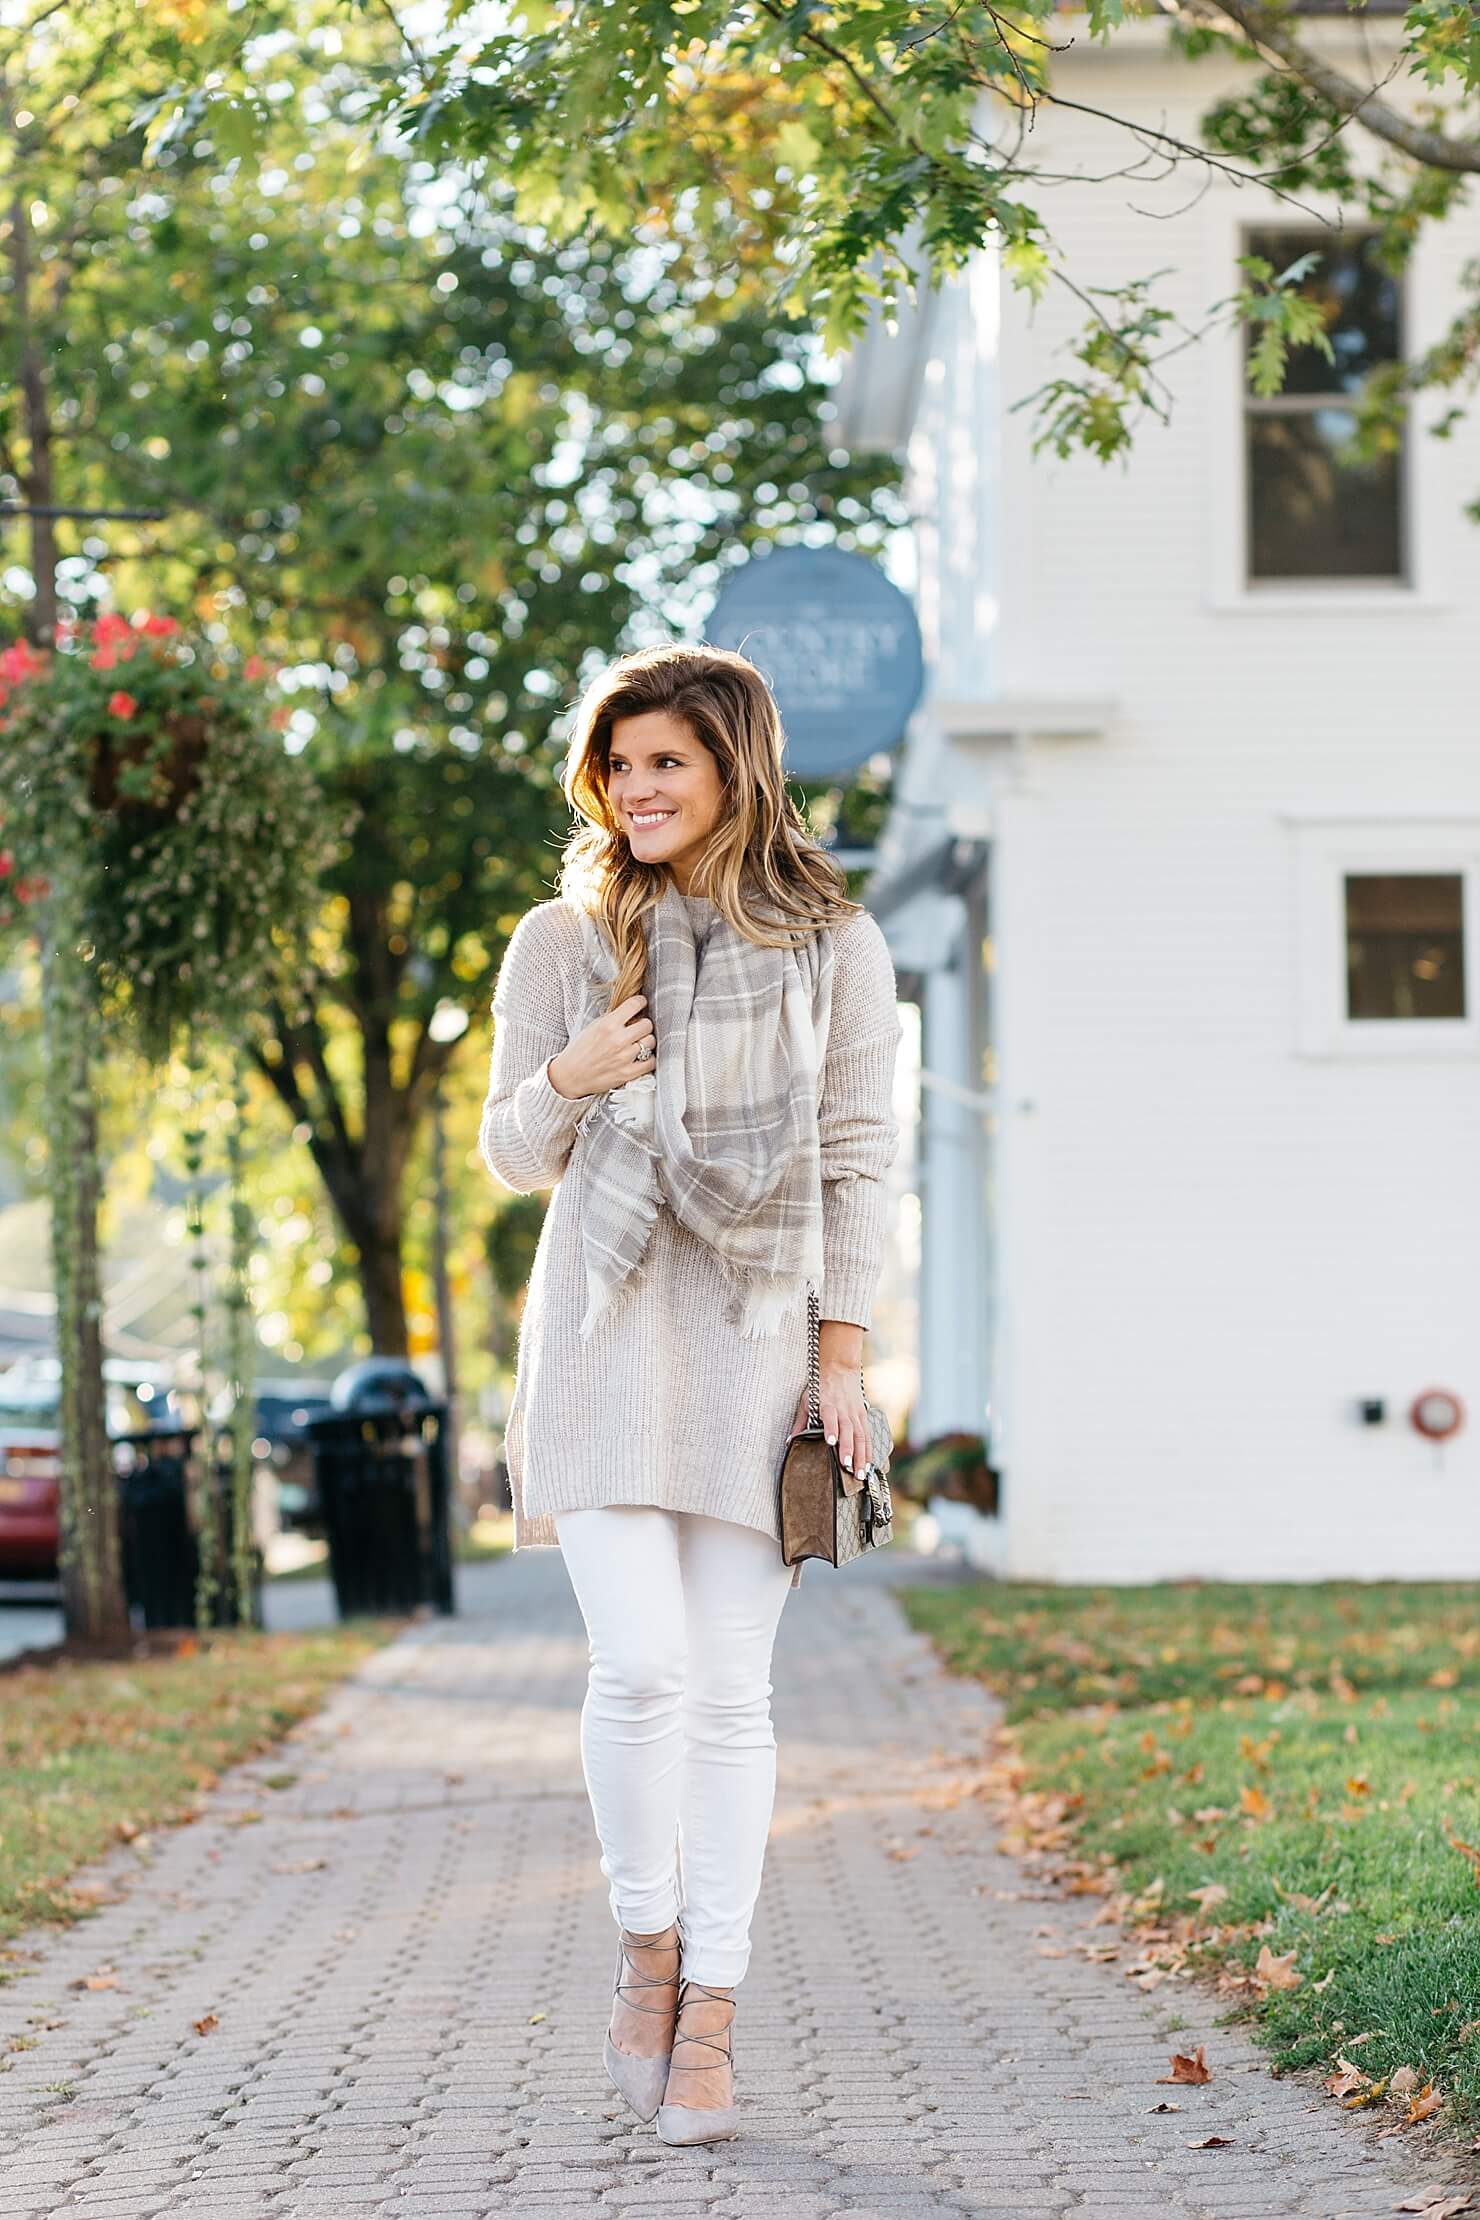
(1314, 1751)
(94, 1754)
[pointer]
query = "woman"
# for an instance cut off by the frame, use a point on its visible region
(695, 1046)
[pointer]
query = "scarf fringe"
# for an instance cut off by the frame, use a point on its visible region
(759, 1302)
(606, 1298)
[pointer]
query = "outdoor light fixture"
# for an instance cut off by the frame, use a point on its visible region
(1437, 1413)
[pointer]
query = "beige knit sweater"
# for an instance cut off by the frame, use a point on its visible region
(667, 1402)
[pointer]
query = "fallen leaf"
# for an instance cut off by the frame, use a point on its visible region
(1438, 2202)
(206, 2026)
(1254, 1803)
(1194, 2069)
(1212, 2143)
(1363, 2097)
(1466, 1849)
(535, 2016)
(1424, 2105)
(300, 1865)
(106, 1978)
(1163, 2106)
(1346, 2078)
(1280, 1972)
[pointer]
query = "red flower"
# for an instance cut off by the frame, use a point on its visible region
(6, 861)
(159, 628)
(110, 627)
(19, 662)
(121, 704)
(254, 667)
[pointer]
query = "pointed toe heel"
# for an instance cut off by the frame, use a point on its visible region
(692, 2123)
(640, 2080)
(687, 2123)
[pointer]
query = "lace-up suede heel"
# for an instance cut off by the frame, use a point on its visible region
(640, 2080)
(689, 2123)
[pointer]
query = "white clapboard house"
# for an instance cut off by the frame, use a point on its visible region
(1183, 872)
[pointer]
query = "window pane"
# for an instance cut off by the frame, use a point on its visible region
(1405, 945)
(1359, 300)
(1311, 516)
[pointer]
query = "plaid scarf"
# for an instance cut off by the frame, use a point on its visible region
(722, 1125)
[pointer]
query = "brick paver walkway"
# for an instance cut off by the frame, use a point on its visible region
(407, 1958)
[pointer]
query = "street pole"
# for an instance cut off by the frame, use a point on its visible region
(448, 1023)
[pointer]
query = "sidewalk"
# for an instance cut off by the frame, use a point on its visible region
(400, 1963)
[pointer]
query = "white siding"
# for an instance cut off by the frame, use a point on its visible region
(1211, 1244)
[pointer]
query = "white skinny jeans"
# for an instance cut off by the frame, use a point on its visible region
(677, 1743)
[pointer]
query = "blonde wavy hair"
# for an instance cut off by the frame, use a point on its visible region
(763, 869)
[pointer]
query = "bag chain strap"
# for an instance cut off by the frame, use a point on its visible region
(814, 1360)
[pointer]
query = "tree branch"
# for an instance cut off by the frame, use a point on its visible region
(1271, 34)
(329, 1136)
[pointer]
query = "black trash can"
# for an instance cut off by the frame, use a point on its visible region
(157, 1534)
(380, 1466)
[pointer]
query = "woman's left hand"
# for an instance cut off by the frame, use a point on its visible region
(843, 1417)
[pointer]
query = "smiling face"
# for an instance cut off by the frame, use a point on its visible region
(666, 790)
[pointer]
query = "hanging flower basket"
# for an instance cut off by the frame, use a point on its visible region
(171, 758)
(144, 777)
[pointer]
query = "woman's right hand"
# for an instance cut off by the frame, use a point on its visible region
(603, 1054)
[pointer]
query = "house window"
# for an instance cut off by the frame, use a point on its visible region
(1389, 925)
(1312, 513)
(1405, 944)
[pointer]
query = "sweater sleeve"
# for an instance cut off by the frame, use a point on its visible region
(859, 1131)
(528, 1126)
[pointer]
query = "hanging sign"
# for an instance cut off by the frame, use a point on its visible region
(838, 644)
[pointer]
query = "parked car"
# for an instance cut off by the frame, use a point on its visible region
(30, 1463)
(283, 1408)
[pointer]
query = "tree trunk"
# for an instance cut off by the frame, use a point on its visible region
(442, 1282)
(93, 1601)
(380, 1277)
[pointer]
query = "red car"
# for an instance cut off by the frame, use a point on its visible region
(29, 1466)
(30, 1469)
